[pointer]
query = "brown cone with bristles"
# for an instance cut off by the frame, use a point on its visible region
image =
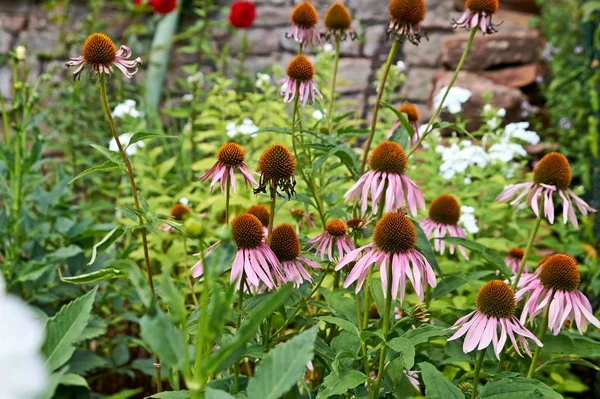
(261, 212)
(560, 272)
(445, 209)
(395, 233)
(388, 157)
(337, 17)
(411, 12)
(179, 212)
(99, 49)
(336, 228)
(516, 253)
(301, 69)
(487, 7)
(285, 243)
(231, 154)
(553, 170)
(411, 111)
(277, 163)
(496, 299)
(247, 231)
(305, 15)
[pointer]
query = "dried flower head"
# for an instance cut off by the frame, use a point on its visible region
(277, 167)
(304, 24)
(338, 22)
(478, 14)
(405, 19)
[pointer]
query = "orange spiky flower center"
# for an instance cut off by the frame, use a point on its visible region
(410, 12)
(231, 154)
(411, 111)
(179, 212)
(261, 212)
(516, 253)
(553, 170)
(247, 231)
(338, 17)
(496, 299)
(277, 163)
(305, 15)
(445, 209)
(560, 272)
(395, 233)
(285, 243)
(336, 228)
(483, 6)
(99, 49)
(389, 157)
(301, 69)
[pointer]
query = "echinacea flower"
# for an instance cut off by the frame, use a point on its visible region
(277, 168)
(553, 287)
(198, 268)
(444, 214)
(302, 218)
(394, 239)
(230, 157)
(551, 176)
(495, 313)
(100, 54)
(387, 178)
(513, 260)
(335, 236)
(413, 115)
(179, 213)
(242, 14)
(262, 213)
(299, 81)
(405, 19)
(478, 15)
(304, 25)
(338, 22)
(286, 246)
(356, 225)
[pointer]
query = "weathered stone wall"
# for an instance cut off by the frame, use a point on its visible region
(504, 63)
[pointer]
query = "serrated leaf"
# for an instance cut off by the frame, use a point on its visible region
(63, 330)
(405, 349)
(424, 246)
(436, 385)
(516, 387)
(141, 136)
(94, 277)
(338, 383)
(73, 380)
(164, 339)
(341, 323)
(106, 166)
(486, 253)
(106, 242)
(283, 366)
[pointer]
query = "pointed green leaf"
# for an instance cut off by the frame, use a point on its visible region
(486, 253)
(106, 166)
(141, 136)
(338, 383)
(436, 385)
(94, 277)
(108, 240)
(165, 340)
(516, 387)
(73, 380)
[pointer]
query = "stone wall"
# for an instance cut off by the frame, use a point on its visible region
(505, 63)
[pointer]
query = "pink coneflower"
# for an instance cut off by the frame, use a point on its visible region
(286, 246)
(302, 218)
(229, 157)
(179, 213)
(413, 115)
(406, 17)
(198, 268)
(387, 177)
(513, 260)
(100, 54)
(495, 312)
(335, 236)
(555, 285)
(299, 81)
(263, 214)
(552, 175)
(394, 239)
(304, 25)
(478, 15)
(444, 213)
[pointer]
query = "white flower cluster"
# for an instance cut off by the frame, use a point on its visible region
(195, 78)
(124, 139)
(247, 128)
(468, 220)
(126, 108)
(318, 115)
(263, 81)
(494, 116)
(457, 96)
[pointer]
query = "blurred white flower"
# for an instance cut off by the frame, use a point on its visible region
(401, 66)
(460, 156)
(467, 219)
(247, 128)
(263, 81)
(519, 131)
(22, 371)
(467, 180)
(457, 96)
(506, 151)
(318, 115)
(126, 108)
(124, 139)
(187, 98)
(184, 201)
(327, 47)
(20, 53)
(195, 78)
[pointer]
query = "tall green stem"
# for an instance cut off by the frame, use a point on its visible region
(527, 252)
(227, 195)
(271, 214)
(136, 201)
(538, 350)
(386, 328)
(333, 81)
(380, 91)
(236, 366)
(477, 372)
(187, 271)
(460, 65)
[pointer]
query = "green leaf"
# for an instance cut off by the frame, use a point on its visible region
(73, 380)
(572, 344)
(341, 323)
(436, 385)
(423, 333)
(405, 349)
(63, 330)
(170, 395)
(113, 156)
(211, 393)
(136, 277)
(173, 297)
(94, 277)
(65, 252)
(486, 253)
(84, 361)
(569, 360)
(338, 383)
(107, 166)
(283, 366)
(106, 242)
(516, 387)
(141, 136)
(164, 339)
(125, 394)
(424, 246)
(272, 129)
(453, 281)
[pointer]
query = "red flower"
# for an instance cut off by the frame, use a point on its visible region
(163, 6)
(242, 14)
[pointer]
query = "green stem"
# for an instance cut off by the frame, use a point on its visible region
(202, 335)
(477, 372)
(386, 327)
(527, 252)
(460, 65)
(367, 304)
(136, 201)
(227, 195)
(386, 72)
(236, 366)
(272, 214)
(187, 271)
(333, 81)
(538, 350)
